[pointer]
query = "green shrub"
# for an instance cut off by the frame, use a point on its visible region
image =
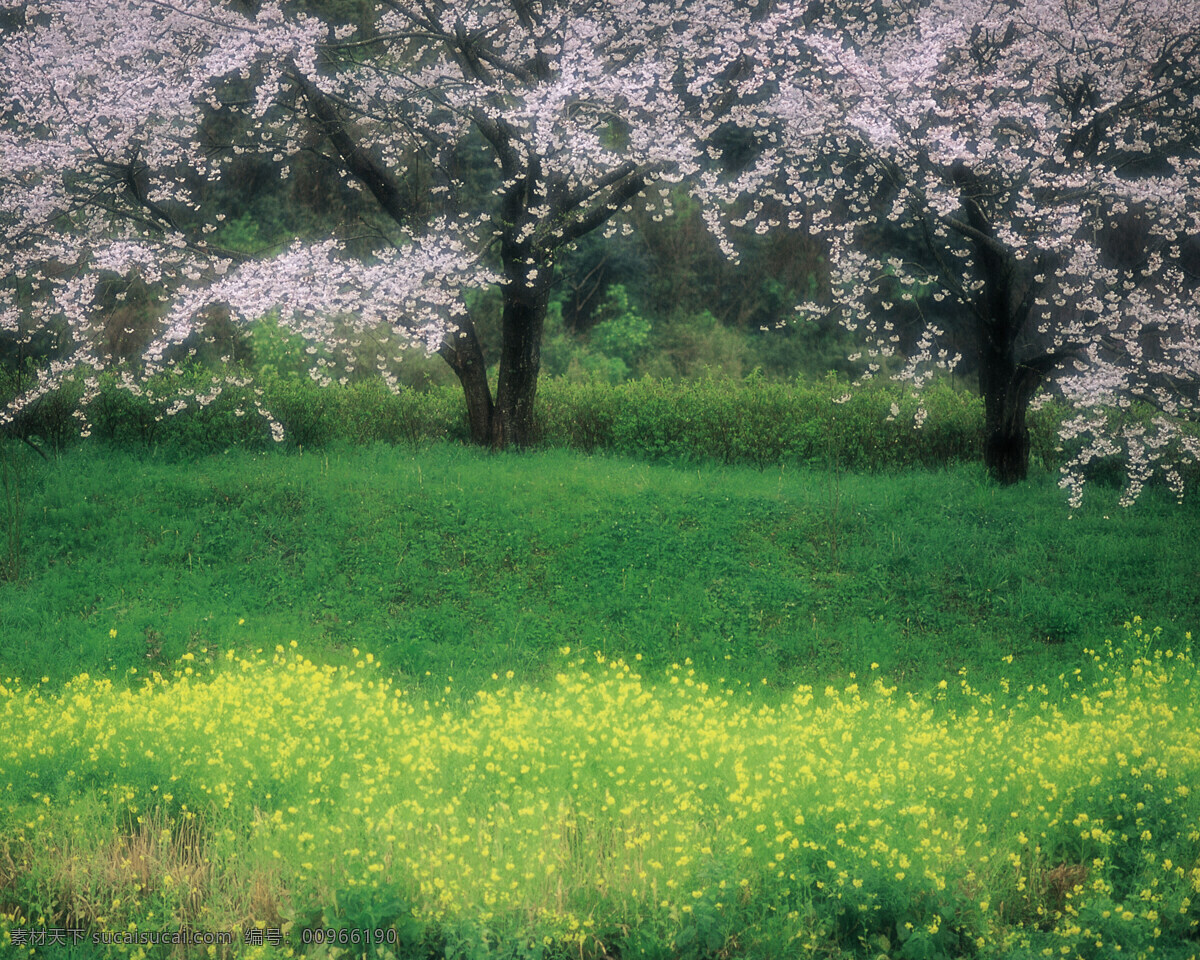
(190, 408)
(622, 333)
(691, 346)
(278, 352)
(881, 425)
(311, 415)
(374, 414)
(51, 419)
(577, 414)
(763, 422)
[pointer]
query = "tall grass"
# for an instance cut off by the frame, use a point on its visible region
(12, 512)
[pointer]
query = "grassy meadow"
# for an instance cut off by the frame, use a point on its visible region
(552, 705)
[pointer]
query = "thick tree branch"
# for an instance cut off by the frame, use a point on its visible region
(369, 171)
(620, 195)
(500, 139)
(1042, 366)
(573, 198)
(991, 244)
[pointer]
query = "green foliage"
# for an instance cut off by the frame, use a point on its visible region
(565, 355)
(51, 419)
(608, 354)
(370, 413)
(626, 340)
(242, 234)
(763, 422)
(753, 420)
(12, 511)
(278, 353)
(311, 417)
(804, 347)
(620, 332)
(201, 425)
(486, 308)
(693, 346)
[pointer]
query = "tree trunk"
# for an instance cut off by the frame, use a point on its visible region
(1005, 383)
(525, 302)
(1006, 387)
(462, 351)
(509, 421)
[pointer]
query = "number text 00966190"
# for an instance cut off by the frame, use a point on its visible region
(348, 936)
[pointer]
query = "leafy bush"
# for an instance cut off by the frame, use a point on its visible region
(278, 353)
(310, 416)
(373, 414)
(51, 418)
(190, 408)
(691, 346)
(764, 422)
(622, 333)
(753, 420)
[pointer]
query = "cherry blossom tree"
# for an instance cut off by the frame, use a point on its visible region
(582, 107)
(1042, 160)
(1040, 157)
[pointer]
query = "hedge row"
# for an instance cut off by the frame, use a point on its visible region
(766, 422)
(753, 421)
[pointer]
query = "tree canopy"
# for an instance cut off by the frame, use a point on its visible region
(1032, 163)
(580, 107)
(1041, 159)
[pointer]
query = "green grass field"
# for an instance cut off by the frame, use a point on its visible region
(547, 705)
(457, 563)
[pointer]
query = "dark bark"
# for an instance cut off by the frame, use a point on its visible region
(1006, 383)
(525, 302)
(462, 351)
(1007, 386)
(359, 161)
